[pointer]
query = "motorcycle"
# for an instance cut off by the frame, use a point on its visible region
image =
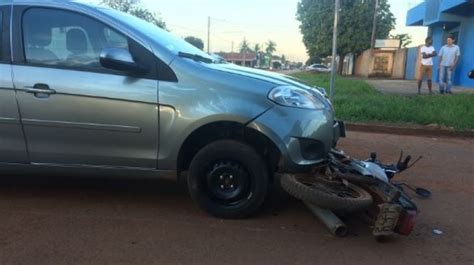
(346, 185)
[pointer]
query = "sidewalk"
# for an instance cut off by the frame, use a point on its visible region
(410, 87)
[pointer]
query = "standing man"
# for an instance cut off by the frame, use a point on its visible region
(448, 58)
(426, 69)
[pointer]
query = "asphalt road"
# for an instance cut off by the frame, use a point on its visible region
(101, 221)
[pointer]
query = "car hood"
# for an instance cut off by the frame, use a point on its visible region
(271, 77)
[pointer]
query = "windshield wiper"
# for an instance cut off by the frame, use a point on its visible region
(195, 57)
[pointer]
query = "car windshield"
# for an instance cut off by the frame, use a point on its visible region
(173, 43)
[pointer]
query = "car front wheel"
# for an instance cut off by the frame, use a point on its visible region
(228, 179)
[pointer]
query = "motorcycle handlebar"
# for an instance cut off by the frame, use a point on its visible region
(407, 160)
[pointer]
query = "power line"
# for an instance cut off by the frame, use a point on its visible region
(208, 34)
(186, 28)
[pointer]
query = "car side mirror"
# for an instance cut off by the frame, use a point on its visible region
(120, 60)
(471, 74)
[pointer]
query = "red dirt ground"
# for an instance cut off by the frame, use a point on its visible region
(101, 221)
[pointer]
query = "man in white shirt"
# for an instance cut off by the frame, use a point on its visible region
(427, 53)
(448, 59)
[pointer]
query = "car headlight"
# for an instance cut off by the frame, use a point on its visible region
(295, 97)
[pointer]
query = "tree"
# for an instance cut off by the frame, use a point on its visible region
(257, 48)
(354, 31)
(283, 59)
(313, 60)
(135, 8)
(196, 42)
(271, 47)
(245, 46)
(405, 39)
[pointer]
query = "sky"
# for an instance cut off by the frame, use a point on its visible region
(255, 20)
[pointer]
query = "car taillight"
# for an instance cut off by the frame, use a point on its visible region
(406, 222)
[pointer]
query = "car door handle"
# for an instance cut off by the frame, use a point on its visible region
(40, 89)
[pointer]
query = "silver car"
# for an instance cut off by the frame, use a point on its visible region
(320, 68)
(87, 90)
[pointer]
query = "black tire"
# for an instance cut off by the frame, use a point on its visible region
(228, 179)
(332, 195)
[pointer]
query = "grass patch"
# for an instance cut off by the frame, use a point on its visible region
(357, 101)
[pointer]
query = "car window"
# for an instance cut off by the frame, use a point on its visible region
(166, 39)
(66, 39)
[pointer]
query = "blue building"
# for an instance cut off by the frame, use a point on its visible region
(449, 17)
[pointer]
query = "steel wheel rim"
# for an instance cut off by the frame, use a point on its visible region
(228, 183)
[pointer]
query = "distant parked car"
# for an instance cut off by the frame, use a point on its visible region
(320, 68)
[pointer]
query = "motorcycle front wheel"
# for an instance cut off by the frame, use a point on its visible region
(328, 194)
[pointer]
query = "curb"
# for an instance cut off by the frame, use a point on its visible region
(420, 131)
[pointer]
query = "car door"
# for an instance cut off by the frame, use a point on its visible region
(12, 141)
(74, 111)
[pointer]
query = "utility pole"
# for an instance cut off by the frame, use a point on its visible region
(334, 50)
(208, 34)
(245, 53)
(374, 24)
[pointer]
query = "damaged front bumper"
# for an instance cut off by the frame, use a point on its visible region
(304, 137)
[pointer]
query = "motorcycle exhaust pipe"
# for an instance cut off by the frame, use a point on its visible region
(335, 226)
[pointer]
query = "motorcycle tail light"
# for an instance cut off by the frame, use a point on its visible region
(406, 223)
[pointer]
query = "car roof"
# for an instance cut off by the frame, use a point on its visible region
(59, 2)
(53, 3)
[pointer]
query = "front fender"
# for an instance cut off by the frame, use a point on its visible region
(203, 96)
(303, 137)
